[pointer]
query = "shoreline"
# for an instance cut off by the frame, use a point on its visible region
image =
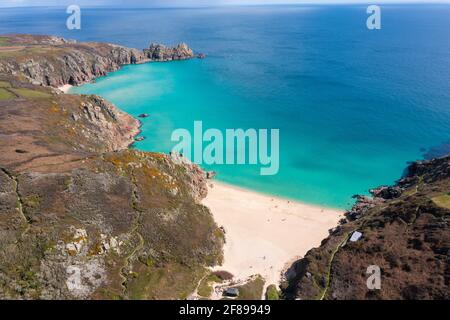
(277, 196)
(285, 241)
(265, 233)
(66, 88)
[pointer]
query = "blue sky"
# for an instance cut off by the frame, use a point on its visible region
(160, 3)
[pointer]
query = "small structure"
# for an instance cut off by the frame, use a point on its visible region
(355, 236)
(231, 292)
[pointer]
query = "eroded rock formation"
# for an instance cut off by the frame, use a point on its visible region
(159, 52)
(54, 61)
(82, 216)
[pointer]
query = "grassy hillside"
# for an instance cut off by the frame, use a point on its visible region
(405, 231)
(82, 216)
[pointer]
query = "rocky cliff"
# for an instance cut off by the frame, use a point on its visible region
(82, 216)
(405, 232)
(54, 61)
(159, 52)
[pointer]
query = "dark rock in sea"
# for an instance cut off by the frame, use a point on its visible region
(201, 56)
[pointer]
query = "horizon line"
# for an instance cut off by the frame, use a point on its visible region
(382, 2)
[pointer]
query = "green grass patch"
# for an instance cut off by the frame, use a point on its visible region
(31, 202)
(172, 281)
(252, 290)
(10, 54)
(223, 275)
(328, 274)
(30, 93)
(5, 84)
(272, 293)
(6, 95)
(205, 288)
(442, 201)
(410, 191)
(4, 41)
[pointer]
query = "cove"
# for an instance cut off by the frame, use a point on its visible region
(353, 106)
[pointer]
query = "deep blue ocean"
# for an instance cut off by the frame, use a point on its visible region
(353, 105)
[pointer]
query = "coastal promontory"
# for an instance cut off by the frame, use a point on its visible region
(81, 215)
(84, 216)
(54, 61)
(401, 231)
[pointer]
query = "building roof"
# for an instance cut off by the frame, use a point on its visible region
(355, 236)
(231, 291)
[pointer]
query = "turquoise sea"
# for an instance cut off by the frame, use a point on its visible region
(353, 105)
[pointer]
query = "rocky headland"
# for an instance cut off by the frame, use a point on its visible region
(84, 217)
(54, 61)
(81, 215)
(405, 230)
(159, 52)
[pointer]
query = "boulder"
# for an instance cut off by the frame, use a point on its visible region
(386, 192)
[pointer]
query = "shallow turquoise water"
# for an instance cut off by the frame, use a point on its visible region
(353, 106)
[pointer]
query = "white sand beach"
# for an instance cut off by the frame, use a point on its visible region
(65, 88)
(265, 234)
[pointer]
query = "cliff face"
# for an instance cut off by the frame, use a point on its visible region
(82, 217)
(405, 231)
(158, 52)
(54, 61)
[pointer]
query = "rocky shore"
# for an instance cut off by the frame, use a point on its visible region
(159, 52)
(81, 215)
(54, 61)
(404, 230)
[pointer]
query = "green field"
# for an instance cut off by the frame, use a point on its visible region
(4, 41)
(5, 84)
(6, 95)
(442, 201)
(31, 94)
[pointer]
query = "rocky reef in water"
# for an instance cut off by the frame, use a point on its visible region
(405, 231)
(81, 215)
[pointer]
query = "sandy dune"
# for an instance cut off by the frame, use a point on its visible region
(263, 233)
